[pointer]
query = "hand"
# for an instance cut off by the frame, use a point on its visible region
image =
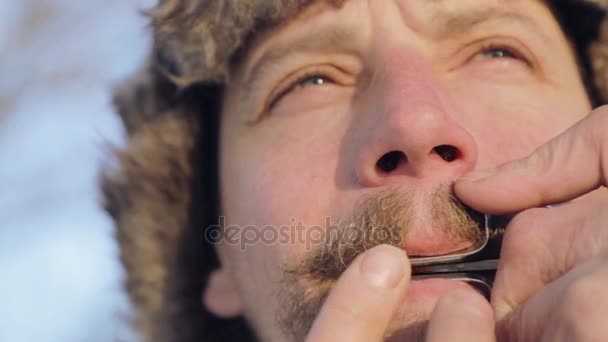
(553, 274)
(361, 305)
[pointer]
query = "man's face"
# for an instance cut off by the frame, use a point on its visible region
(367, 112)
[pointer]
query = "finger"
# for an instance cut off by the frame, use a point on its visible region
(540, 245)
(462, 316)
(360, 306)
(530, 256)
(572, 308)
(566, 167)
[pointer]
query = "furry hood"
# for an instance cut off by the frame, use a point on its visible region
(164, 191)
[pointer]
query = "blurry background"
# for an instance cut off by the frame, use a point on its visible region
(60, 279)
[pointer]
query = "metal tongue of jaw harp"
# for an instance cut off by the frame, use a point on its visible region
(476, 267)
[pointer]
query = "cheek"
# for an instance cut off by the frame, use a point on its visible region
(273, 180)
(511, 123)
(283, 170)
(274, 185)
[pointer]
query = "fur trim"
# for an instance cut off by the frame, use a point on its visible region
(149, 199)
(198, 39)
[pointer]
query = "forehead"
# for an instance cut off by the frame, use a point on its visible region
(337, 24)
(417, 13)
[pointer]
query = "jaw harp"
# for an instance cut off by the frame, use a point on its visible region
(476, 267)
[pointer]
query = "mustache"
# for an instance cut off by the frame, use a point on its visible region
(385, 219)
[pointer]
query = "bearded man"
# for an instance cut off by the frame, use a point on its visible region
(263, 132)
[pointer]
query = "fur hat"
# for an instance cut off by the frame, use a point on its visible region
(164, 192)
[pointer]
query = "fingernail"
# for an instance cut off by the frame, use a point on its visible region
(383, 266)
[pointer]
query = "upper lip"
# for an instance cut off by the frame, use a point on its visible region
(457, 256)
(439, 246)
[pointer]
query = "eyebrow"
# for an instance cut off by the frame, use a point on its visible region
(455, 24)
(336, 37)
(328, 38)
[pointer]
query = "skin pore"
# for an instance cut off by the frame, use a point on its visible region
(346, 103)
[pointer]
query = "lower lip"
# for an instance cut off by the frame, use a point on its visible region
(434, 287)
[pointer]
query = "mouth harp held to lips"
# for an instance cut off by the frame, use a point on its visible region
(475, 266)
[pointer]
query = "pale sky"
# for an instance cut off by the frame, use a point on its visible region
(60, 276)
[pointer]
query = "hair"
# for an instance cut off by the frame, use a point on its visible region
(165, 193)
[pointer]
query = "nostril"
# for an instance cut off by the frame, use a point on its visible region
(447, 152)
(391, 160)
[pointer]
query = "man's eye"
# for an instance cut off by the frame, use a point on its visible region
(498, 53)
(315, 80)
(494, 51)
(304, 81)
(505, 54)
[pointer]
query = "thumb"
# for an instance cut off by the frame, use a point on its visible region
(360, 306)
(573, 163)
(462, 316)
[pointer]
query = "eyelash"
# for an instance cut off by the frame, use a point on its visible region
(320, 73)
(298, 79)
(513, 52)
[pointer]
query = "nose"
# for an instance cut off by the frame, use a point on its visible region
(409, 128)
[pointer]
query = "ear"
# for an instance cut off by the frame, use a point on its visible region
(221, 296)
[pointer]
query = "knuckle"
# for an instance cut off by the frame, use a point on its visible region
(527, 218)
(526, 253)
(524, 229)
(542, 160)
